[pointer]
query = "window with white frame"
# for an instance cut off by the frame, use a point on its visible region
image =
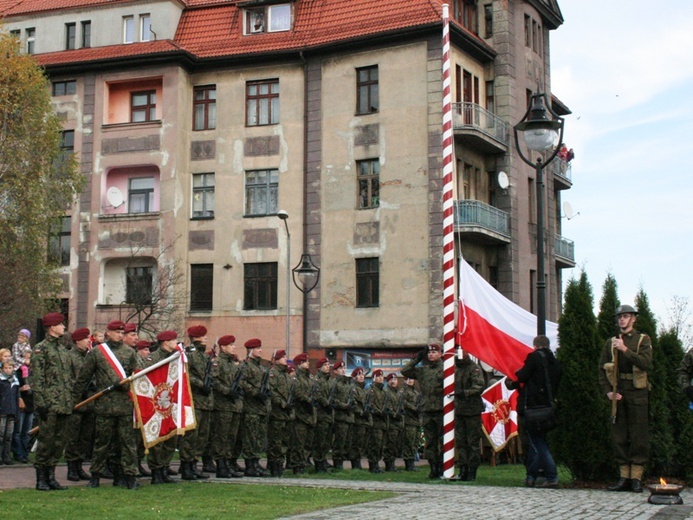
(141, 195)
(31, 40)
(261, 192)
(128, 29)
(272, 18)
(203, 195)
(262, 102)
(145, 27)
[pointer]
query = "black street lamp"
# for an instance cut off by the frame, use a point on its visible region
(540, 135)
(308, 274)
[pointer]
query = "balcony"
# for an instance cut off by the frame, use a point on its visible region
(479, 128)
(565, 252)
(562, 173)
(482, 223)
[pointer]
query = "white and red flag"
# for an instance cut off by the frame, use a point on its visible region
(492, 328)
(163, 401)
(499, 418)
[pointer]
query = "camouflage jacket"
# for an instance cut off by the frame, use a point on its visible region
(280, 386)
(378, 404)
(469, 384)
(52, 377)
(253, 373)
(343, 399)
(395, 407)
(304, 397)
(361, 416)
(197, 365)
(411, 401)
(430, 378)
(324, 391)
(78, 357)
(223, 375)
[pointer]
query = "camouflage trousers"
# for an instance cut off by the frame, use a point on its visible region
(433, 431)
(376, 438)
(79, 436)
(358, 436)
(410, 441)
(225, 433)
(192, 444)
(254, 435)
(115, 437)
(160, 456)
(468, 440)
(392, 443)
(277, 440)
(51, 440)
(340, 438)
(322, 439)
(301, 440)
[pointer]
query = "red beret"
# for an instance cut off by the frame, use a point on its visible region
(130, 327)
(337, 365)
(80, 334)
(143, 344)
(116, 325)
(224, 340)
(278, 354)
(377, 373)
(197, 331)
(435, 346)
(53, 318)
(356, 372)
(390, 376)
(301, 358)
(253, 343)
(321, 362)
(166, 335)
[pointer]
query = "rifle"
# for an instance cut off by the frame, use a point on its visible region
(207, 380)
(290, 398)
(399, 413)
(367, 405)
(264, 392)
(330, 396)
(236, 383)
(350, 397)
(419, 402)
(313, 394)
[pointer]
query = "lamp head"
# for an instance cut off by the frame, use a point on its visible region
(283, 215)
(539, 132)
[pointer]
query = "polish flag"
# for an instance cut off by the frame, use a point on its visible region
(492, 328)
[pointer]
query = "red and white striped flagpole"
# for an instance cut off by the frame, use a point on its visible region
(448, 263)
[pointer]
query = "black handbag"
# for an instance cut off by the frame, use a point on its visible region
(541, 419)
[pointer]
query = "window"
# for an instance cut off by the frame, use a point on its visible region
(203, 195)
(64, 88)
(273, 18)
(367, 96)
(59, 242)
(143, 106)
(16, 33)
(490, 97)
(367, 282)
(30, 40)
(138, 285)
(67, 143)
(465, 14)
(141, 195)
(205, 108)
(260, 286)
(369, 183)
(70, 36)
(262, 102)
(145, 27)
(201, 287)
(86, 34)
(128, 29)
(261, 192)
(528, 31)
(488, 20)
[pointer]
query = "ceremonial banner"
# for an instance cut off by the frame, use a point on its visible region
(492, 328)
(499, 418)
(163, 402)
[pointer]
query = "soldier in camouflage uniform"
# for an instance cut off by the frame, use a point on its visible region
(430, 378)
(469, 384)
(377, 407)
(200, 375)
(342, 400)
(51, 381)
(303, 425)
(411, 403)
(626, 359)
(392, 443)
(359, 431)
(281, 414)
(114, 432)
(80, 427)
(256, 406)
(324, 390)
(228, 407)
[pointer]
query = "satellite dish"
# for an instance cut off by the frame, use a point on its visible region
(503, 180)
(114, 197)
(568, 211)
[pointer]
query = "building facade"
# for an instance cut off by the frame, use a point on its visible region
(196, 122)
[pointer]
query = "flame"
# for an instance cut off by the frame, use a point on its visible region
(662, 481)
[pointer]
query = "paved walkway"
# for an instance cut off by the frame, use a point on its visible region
(431, 501)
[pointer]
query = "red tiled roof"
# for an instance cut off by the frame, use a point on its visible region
(107, 53)
(19, 7)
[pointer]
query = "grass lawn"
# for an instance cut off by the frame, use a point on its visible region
(185, 500)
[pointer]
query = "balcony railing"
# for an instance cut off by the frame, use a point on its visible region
(471, 115)
(563, 168)
(476, 213)
(565, 249)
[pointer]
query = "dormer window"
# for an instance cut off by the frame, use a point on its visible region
(270, 18)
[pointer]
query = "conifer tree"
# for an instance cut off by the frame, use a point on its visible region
(607, 305)
(581, 441)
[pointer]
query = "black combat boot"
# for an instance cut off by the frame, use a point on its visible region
(41, 483)
(356, 464)
(52, 483)
(83, 475)
(261, 472)
(623, 484)
(471, 476)
(118, 477)
(299, 470)
(373, 467)
(94, 481)
(461, 474)
(131, 482)
(409, 465)
(635, 485)
(250, 469)
(186, 471)
(233, 465)
(72, 474)
(222, 469)
(199, 474)
(107, 473)
(338, 464)
(208, 464)
(165, 476)
(170, 471)
(157, 476)
(434, 469)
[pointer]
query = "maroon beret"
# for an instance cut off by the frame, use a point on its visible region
(435, 346)
(130, 327)
(356, 372)
(116, 325)
(321, 362)
(53, 318)
(278, 354)
(337, 365)
(229, 339)
(166, 335)
(390, 376)
(253, 343)
(377, 373)
(197, 331)
(80, 334)
(301, 358)
(143, 344)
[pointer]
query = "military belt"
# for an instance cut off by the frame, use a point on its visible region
(622, 375)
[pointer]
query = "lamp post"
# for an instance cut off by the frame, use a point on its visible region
(540, 134)
(284, 216)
